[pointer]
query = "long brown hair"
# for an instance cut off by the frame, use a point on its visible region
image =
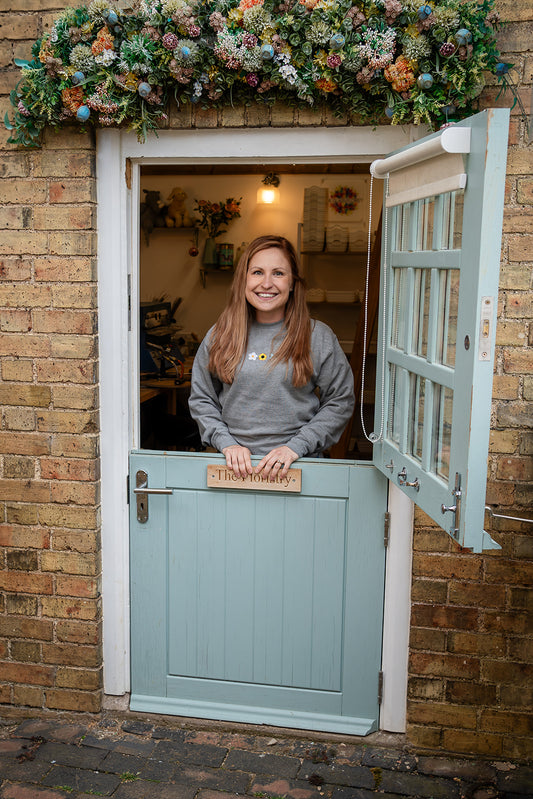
(230, 336)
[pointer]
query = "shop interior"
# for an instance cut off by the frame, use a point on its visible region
(323, 209)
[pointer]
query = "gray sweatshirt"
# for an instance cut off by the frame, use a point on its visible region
(261, 409)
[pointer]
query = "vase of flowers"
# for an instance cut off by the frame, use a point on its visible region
(214, 218)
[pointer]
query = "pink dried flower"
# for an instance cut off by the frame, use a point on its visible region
(22, 108)
(334, 60)
(170, 41)
(193, 30)
(252, 79)
(393, 8)
(365, 75)
(217, 21)
(357, 16)
(249, 40)
(447, 49)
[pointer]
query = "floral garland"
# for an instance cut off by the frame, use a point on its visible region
(343, 200)
(407, 60)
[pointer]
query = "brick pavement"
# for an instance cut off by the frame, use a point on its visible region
(137, 759)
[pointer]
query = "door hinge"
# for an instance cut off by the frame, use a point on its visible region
(380, 687)
(128, 489)
(386, 529)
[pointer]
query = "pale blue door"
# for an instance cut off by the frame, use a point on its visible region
(441, 256)
(256, 606)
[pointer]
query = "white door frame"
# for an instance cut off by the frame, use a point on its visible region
(119, 158)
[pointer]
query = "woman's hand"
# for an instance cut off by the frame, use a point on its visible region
(238, 459)
(278, 460)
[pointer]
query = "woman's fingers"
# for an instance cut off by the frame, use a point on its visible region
(238, 459)
(278, 461)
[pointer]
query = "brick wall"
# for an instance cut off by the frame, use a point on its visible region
(470, 665)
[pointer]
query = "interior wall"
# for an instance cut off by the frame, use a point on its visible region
(167, 268)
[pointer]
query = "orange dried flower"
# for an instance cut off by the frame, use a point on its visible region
(104, 41)
(400, 74)
(72, 98)
(326, 85)
(244, 4)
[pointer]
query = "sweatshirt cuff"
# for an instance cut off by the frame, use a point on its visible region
(222, 440)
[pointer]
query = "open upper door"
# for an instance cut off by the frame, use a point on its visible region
(443, 211)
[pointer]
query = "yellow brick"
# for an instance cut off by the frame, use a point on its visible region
(19, 419)
(18, 242)
(505, 386)
(32, 346)
(65, 269)
(72, 347)
(66, 421)
(24, 191)
(75, 446)
(83, 397)
(70, 608)
(15, 321)
(15, 394)
(511, 332)
(75, 296)
(72, 190)
(58, 217)
(63, 163)
(15, 269)
(78, 701)
(24, 296)
(78, 518)
(61, 243)
(504, 441)
(70, 563)
(82, 679)
(19, 26)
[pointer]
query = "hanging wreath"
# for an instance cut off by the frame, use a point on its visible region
(100, 65)
(343, 200)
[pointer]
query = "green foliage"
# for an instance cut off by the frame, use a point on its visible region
(363, 59)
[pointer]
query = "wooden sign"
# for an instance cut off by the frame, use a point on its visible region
(219, 476)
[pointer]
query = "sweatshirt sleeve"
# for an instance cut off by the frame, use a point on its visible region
(334, 379)
(204, 403)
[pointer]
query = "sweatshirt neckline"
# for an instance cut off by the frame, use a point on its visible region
(280, 323)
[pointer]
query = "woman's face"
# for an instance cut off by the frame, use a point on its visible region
(268, 284)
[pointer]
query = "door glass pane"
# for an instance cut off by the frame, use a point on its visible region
(398, 330)
(447, 316)
(394, 422)
(452, 220)
(405, 215)
(416, 422)
(421, 311)
(442, 430)
(428, 213)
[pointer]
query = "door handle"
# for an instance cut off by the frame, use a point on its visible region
(141, 491)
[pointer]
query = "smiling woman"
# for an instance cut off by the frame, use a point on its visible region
(256, 375)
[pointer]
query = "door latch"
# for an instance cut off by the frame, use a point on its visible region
(455, 509)
(141, 491)
(403, 481)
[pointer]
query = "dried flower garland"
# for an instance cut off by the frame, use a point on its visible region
(343, 200)
(412, 61)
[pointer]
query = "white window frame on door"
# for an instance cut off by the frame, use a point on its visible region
(119, 159)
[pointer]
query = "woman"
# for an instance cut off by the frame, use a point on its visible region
(256, 371)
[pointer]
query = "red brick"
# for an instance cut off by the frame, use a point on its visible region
(501, 671)
(84, 587)
(471, 693)
(11, 536)
(442, 714)
(475, 643)
(78, 632)
(453, 618)
(69, 469)
(30, 673)
(32, 583)
(443, 665)
(68, 655)
(473, 743)
(447, 566)
(79, 701)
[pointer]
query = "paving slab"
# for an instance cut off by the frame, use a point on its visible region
(145, 758)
